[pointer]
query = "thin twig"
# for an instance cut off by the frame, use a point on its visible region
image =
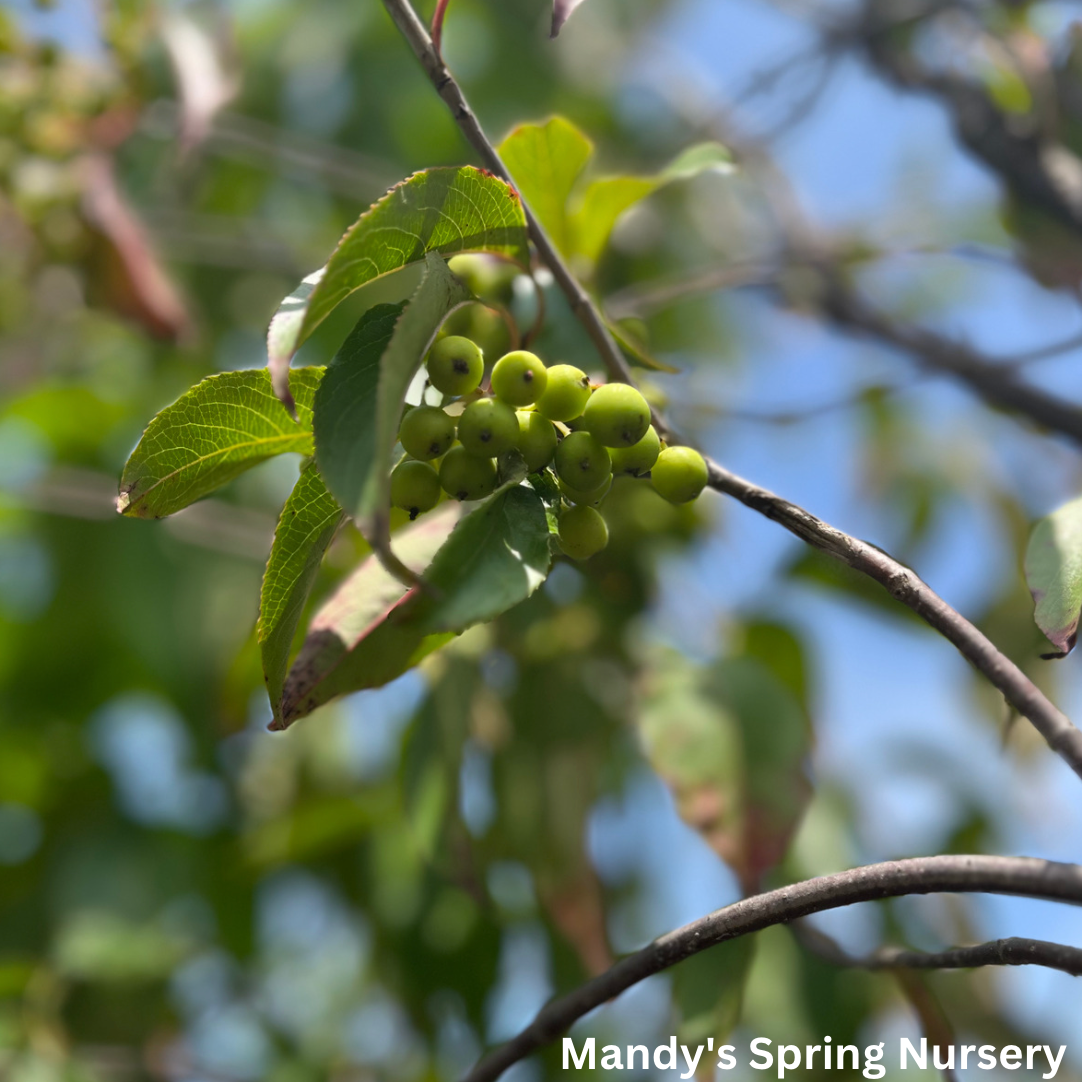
(924, 875)
(1015, 951)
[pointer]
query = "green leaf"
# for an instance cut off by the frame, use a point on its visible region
(362, 638)
(496, 557)
(439, 210)
(1054, 575)
(605, 199)
(223, 426)
(546, 160)
(776, 737)
(636, 350)
(731, 742)
(358, 407)
(374, 628)
(306, 527)
(346, 405)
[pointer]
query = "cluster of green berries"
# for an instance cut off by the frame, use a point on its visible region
(555, 419)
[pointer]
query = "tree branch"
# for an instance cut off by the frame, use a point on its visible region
(902, 583)
(1031, 163)
(997, 384)
(1000, 952)
(413, 30)
(924, 875)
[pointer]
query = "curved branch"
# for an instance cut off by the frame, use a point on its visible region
(902, 583)
(1015, 951)
(906, 586)
(924, 875)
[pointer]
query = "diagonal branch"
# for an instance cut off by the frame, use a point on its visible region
(413, 30)
(998, 385)
(924, 875)
(1015, 951)
(900, 581)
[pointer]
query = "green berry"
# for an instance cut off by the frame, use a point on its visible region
(536, 440)
(639, 457)
(487, 428)
(426, 432)
(582, 462)
(566, 393)
(455, 365)
(583, 532)
(679, 474)
(617, 415)
(593, 496)
(415, 487)
(465, 476)
(519, 378)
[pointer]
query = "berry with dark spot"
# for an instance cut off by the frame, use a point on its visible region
(465, 476)
(455, 365)
(519, 378)
(487, 428)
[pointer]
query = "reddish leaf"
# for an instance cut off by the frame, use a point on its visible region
(132, 280)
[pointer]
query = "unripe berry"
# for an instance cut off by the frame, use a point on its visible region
(566, 393)
(426, 432)
(582, 462)
(679, 474)
(488, 428)
(639, 458)
(593, 497)
(617, 415)
(465, 476)
(415, 487)
(583, 532)
(536, 440)
(455, 365)
(519, 378)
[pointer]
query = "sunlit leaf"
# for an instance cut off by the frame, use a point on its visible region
(607, 198)
(546, 160)
(1054, 575)
(223, 426)
(444, 210)
(305, 528)
(358, 407)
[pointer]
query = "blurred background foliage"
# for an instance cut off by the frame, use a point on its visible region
(704, 709)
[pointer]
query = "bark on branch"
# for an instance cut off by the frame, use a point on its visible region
(924, 875)
(1015, 951)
